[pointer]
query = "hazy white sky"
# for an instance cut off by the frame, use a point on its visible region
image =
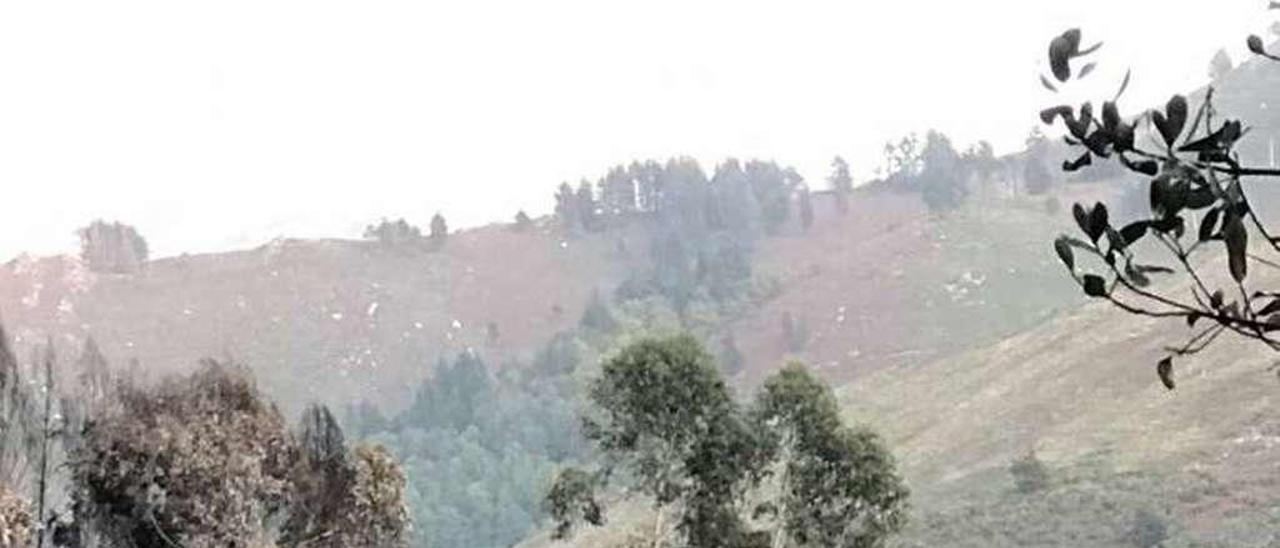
(213, 125)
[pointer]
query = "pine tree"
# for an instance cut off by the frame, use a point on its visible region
(733, 202)
(597, 316)
(806, 208)
(942, 179)
(522, 221)
(439, 229)
(588, 210)
(1035, 176)
(648, 177)
(618, 192)
(773, 187)
(567, 210)
(841, 183)
(112, 247)
(393, 233)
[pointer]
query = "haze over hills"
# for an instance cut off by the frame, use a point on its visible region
(933, 302)
(886, 284)
(336, 321)
(1121, 459)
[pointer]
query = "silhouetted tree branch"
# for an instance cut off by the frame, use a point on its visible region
(1194, 172)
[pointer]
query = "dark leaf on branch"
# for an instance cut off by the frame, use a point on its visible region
(1158, 196)
(1255, 44)
(1050, 115)
(1116, 241)
(1209, 224)
(1273, 323)
(1200, 198)
(1080, 244)
(1075, 165)
(1124, 84)
(1122, 141)
(1169, 225)
(1134, 231)
(1171, 122)
(1153, 269)
(1110, 116)
(1145, 167)
(1192, 318)
(1097, 142)
(1215, 300)
(1079, 125)
(1047, 84)
(1219, 141)
(1094, 285)
(1064, 252)
(1237, 239)
(1165, 370)
(1136, 276)
(1271, 308)
(1061, 50)
(1082, 217)
(1098, 221)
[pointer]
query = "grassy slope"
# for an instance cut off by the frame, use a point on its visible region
(1081, 391)
(893, 285)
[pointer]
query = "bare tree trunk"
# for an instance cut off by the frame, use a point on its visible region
(42, 485)
(657, 528)
(784, 478)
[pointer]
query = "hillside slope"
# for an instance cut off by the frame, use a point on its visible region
(339, 321)
(1081, 392)
(333, 321)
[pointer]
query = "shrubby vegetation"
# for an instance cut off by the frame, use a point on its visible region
(200, 460)
(393, 233)
(197, 461)
(1030, 475)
